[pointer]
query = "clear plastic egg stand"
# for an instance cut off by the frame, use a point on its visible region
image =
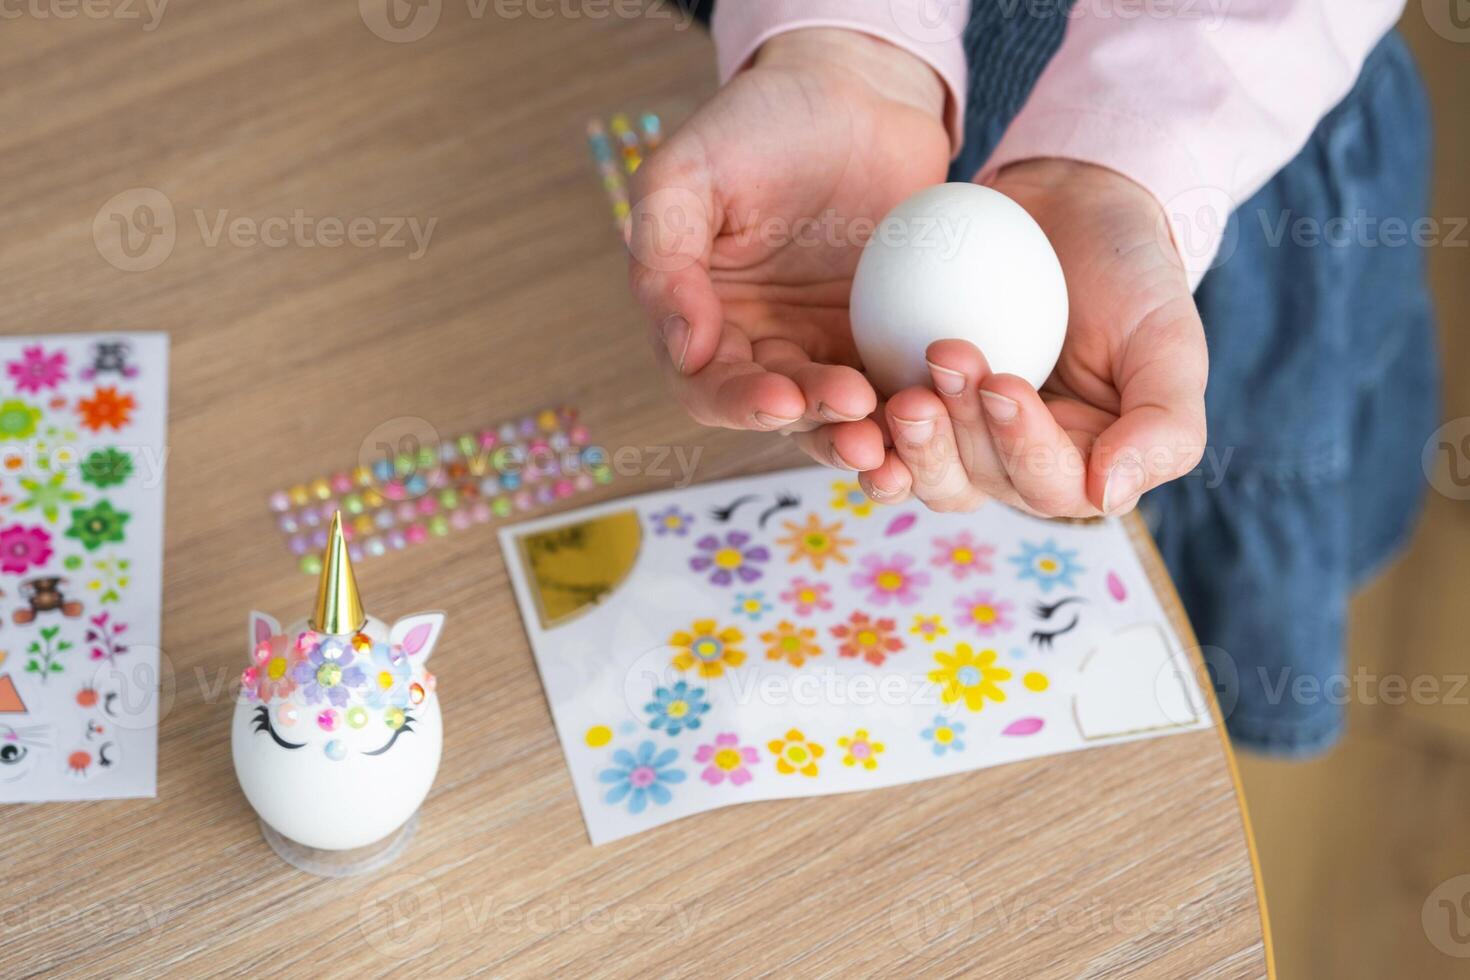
(337, 732)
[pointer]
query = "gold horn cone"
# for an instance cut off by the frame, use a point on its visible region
(338, 605)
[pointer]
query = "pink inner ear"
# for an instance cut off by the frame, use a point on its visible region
(416, 638)
(262, 631)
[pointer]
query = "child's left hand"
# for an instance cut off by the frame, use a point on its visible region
(1123, 411)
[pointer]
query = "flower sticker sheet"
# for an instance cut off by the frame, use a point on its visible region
(783, 636)
(82, 452)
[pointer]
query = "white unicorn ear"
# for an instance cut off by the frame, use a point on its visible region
(262, 628)
(417, 634)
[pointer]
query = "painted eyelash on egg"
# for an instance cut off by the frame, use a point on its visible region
(784, 501)
(723, 514)
(263, 724)
(407, 726)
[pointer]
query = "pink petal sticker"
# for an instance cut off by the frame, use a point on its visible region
(900, 524)
(1115, 587)
(262, 631)
(416, 638)
(1023, 726)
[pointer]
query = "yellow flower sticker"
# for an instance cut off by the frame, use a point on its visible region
(860, 750)
(930, 628)
(795, 754)
(850, 497)
(970, 676)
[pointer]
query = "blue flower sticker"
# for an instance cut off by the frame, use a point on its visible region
(1046, 564)
(641, 776)
(944, 735)
(751, 605)
(388, 677)
(676, 708)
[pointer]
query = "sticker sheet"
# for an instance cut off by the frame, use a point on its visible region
(783, 636)
(82, 453)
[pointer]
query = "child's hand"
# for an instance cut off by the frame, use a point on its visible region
(1124, 409)
(748, 223)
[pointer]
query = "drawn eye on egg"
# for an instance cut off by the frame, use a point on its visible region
(263, 726)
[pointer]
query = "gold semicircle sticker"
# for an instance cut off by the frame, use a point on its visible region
(574, 567)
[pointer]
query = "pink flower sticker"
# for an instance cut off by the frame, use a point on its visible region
(807, 597)
(36, 370)
(962, 555)
(726, 759)
(985, 613)
(890, 579)
(21, 548)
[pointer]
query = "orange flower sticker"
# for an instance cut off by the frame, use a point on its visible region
(816, 542)
(873, 640)
(791, 643)
(106, 409)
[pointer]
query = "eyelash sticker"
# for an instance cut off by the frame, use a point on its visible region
(1047, 610)
(1044, 639)
(723, 514)
(784, 501)
(263, 724)
(407, 726)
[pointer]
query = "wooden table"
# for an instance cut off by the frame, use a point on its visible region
(1125, 859)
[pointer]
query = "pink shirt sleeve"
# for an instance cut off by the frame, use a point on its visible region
(932, 31)
(1200, 109)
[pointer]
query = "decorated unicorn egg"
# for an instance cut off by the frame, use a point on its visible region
(337, 732)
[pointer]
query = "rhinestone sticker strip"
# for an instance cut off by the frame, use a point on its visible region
(513, 468)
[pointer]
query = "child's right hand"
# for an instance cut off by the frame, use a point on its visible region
(748, 223)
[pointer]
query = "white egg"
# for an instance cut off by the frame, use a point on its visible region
(958, 261)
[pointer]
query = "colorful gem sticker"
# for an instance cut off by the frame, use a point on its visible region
(422, 492)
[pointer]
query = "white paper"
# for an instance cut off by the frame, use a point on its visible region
(79, 697)
(1118, 674)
